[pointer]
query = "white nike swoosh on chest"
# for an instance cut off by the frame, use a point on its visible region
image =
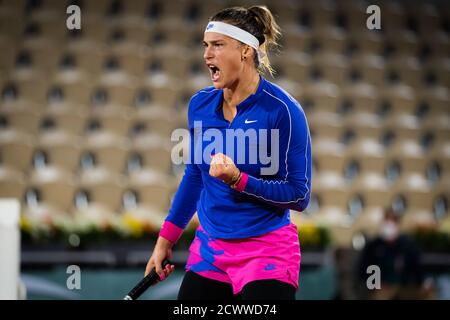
(249, 121)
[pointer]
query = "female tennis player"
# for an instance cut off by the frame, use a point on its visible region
(246, 247)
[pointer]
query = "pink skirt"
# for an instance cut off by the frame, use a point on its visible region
(274, 255)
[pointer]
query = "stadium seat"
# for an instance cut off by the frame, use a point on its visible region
(12, 183)
(134, 62)
(332, 188)
(21, 119)
(410, 154)
(374, 188)
(55, 185)
(334, 217)
(116, 123)
(104, 186)
(164, 95)
(369, 152)
(155, 190)
(368, 222)
(329, 153)
(66, 120)
(415, 189)
(155, 155)
(109, 148)
(415, 218)
(325, 124)
(364, 124)
(16, 149)
(62, 148)
(31, 86)
(403, 125)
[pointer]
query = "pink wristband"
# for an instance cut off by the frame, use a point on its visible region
(170, 231)
(242, 182)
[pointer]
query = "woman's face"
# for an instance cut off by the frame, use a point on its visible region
(223, 58)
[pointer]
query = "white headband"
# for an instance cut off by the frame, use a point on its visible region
(235, 33)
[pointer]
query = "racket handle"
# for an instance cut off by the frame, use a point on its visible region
(146, 282)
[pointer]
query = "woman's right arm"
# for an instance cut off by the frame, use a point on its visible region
(182, 209)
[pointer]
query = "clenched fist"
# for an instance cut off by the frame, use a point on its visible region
(223, 168)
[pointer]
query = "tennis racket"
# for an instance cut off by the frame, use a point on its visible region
(149, 280)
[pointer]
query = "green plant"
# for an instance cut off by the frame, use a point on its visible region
(431, 239)
(313, 236)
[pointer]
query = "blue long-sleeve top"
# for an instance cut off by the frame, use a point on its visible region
(264, 204)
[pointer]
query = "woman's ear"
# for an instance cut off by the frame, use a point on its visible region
(245, 52)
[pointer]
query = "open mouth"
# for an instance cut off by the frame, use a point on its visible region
(215, 72)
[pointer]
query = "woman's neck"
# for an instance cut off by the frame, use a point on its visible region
(244, 87)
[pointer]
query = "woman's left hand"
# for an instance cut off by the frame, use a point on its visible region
(223, 168)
